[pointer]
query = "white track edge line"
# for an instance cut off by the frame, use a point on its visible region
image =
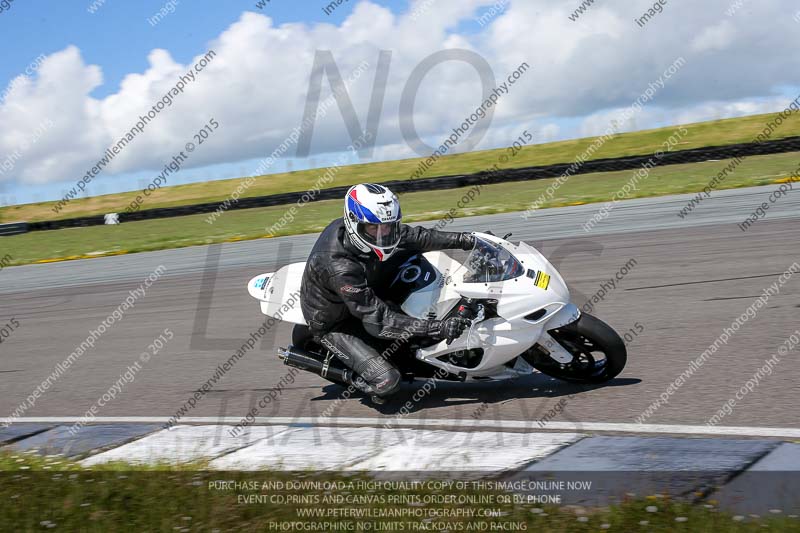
(451, 424)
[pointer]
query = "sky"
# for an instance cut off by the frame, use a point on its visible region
(76, 76)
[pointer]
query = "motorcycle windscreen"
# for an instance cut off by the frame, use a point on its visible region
(489, 263)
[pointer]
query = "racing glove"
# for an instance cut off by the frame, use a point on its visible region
(449, 329)
(467, 241)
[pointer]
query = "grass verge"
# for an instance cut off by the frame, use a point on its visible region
(252, 223)
(702, 134)
(40, 493)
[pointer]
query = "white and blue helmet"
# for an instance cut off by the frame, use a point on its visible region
(372, 219)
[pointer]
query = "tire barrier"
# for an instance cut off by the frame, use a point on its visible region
(694, 155)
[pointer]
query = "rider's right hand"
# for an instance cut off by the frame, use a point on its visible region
(449, 329)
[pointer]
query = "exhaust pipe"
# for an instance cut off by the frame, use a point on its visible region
(309, 361)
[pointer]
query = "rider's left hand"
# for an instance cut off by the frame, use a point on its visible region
(449, 329)
(467, 241)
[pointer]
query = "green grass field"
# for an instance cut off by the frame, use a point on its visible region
(41, 493)
(253, 223)
(703, 134)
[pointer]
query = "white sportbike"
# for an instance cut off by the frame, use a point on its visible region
(521, 316)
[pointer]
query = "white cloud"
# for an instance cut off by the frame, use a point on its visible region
(256, 85)
(714, 38)
(596, 123)
(549, 132)
(57, 94)
(719, 110)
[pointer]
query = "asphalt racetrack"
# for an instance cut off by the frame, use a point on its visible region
(692, 277)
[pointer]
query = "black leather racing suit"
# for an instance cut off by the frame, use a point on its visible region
(343, 311)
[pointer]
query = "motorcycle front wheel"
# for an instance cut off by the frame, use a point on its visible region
(599, 353)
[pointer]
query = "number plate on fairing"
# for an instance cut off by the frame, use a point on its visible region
(540, 279)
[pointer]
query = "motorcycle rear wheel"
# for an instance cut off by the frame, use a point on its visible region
(587, 339)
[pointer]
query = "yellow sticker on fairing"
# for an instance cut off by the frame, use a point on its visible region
(542, 280)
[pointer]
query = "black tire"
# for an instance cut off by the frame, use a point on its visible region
(301, 336)
(585, 339)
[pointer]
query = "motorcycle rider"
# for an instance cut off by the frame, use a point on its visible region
(337, 294)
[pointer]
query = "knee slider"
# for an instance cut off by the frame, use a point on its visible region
(388, 384)
(381, 375)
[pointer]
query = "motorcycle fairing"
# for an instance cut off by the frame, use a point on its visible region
(273, 290)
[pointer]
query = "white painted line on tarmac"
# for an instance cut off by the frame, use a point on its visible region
(476, 451)
(444, 423)
(183, 444)
(313, 448)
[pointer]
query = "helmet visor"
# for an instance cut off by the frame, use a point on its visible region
(385, 235)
